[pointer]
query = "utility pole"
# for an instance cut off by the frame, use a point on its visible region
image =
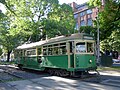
(98, 40)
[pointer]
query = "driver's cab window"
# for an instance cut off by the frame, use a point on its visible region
(80, 47)
(90, 48)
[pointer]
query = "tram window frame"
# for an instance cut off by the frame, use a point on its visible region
(86, 47)
(23, 53)
(20, 53)
(45, 51)
(62, 49)
(50, 51)
(71, 46)
(78, 50)
(31, 52)
(63, 44)
(55, 49)
(15, 54)
(91, 48)
(39, 51)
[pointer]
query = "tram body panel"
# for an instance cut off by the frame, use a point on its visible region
(72, 53)
(85, 61)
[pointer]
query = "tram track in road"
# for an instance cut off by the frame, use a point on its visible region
(102, 80)
(20, 74)
(30, 75)
(6, 77)
(24, 74)
(8, 74)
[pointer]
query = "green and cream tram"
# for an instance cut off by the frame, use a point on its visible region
(62, 55)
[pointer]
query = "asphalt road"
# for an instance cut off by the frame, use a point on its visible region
(110, 81)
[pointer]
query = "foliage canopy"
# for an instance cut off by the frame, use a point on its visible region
(33, 20)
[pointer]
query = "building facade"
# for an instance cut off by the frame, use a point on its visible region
(83, 15)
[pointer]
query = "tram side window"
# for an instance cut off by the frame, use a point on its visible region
(45, 51)
(28, 53)
(71, 47)
(19, 53)
(90, 47)
(39, 51)
(60, 51)
(49, 51)
(23, 53)
(80, 47)
(55, 51)
(31, 52)
(63, 49)
(15, 54)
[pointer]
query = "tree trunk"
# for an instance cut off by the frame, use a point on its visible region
(8, 55)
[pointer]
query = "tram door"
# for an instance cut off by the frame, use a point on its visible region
(70, 50)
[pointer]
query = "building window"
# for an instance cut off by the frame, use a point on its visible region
(89, 22)
(76, 26)
(81, 7)
(89, 11)
(75, 15)
(89, 15)
(82, 23)
(82, 13)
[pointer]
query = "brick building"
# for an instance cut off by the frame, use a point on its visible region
(83, 15)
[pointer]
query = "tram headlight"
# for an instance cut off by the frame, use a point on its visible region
(90, 61)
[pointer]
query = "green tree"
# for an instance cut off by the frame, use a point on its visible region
(7, 39)
(60, 21)
(33, 12)
(88, 29)
(94, 3)
(112, 42)
(109, 16)
(26, 16)
(31, 20)
(21, 24)
(109, 21)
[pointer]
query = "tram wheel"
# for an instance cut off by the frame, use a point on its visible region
(64, 73)
(58, 72)
(51, 72)
(20, 66)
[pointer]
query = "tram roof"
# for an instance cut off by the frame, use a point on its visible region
(31, 45)
(70, 37)
(57, 39)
